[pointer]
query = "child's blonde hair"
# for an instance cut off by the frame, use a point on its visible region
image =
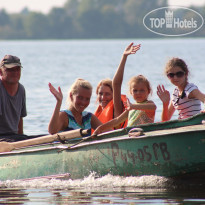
(76, 85)
(140, 79)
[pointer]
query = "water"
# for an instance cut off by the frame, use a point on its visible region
(105, 190)
(61, 62)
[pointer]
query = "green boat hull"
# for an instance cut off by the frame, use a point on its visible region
(170, 149)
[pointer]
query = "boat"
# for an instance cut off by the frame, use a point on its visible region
(171, 149)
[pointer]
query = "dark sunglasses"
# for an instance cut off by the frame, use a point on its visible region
(178, 74)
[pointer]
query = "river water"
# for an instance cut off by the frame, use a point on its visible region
(61, 62)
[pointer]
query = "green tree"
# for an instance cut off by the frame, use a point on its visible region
(90, 23)
(36, 25)
(87, 19)
(61, 25)
(5, 27)
(101, 19)
(136, 10)
(71, 8)
(4, 18)
(17, 27)
(112, 22)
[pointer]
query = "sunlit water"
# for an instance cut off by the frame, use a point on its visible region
(103, 190)
(61, 62)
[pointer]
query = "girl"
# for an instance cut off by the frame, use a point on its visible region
(111, 106)
(140, 113)
(119, 107)
(74, 117)
(105, 109)
(111, 101)
(186, 96)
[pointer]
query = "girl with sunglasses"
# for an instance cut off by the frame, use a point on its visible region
(186, 97)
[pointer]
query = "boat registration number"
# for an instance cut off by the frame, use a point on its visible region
(146, 153)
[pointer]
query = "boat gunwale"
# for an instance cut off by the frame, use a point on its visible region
(145, 135)
(61, 147)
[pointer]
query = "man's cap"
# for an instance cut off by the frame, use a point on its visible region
(10, 61)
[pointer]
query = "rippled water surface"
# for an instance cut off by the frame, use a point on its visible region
(61, 62)
(103, 190)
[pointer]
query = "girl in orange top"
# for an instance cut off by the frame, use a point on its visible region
(105, 111)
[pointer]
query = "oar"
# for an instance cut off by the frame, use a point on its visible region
(93, 137)
(62, 136)
(135, 132)
(83, 140)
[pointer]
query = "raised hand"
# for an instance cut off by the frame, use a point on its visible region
(128, 105)
(57, 93)
(163, 94)
(131, 49)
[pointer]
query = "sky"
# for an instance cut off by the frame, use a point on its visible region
(44, 6)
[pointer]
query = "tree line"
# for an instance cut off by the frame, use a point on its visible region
(85, 19)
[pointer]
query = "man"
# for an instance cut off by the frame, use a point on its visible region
(12, 97)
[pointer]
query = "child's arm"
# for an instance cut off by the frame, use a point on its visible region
(118, 78)
(95, 122)
(150, 105)
(57, 120)
(198, 95)
(168, 108)
(112, 123)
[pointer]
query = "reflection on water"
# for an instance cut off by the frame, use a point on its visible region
(133, 196)
(13, 196)
(102, 190)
